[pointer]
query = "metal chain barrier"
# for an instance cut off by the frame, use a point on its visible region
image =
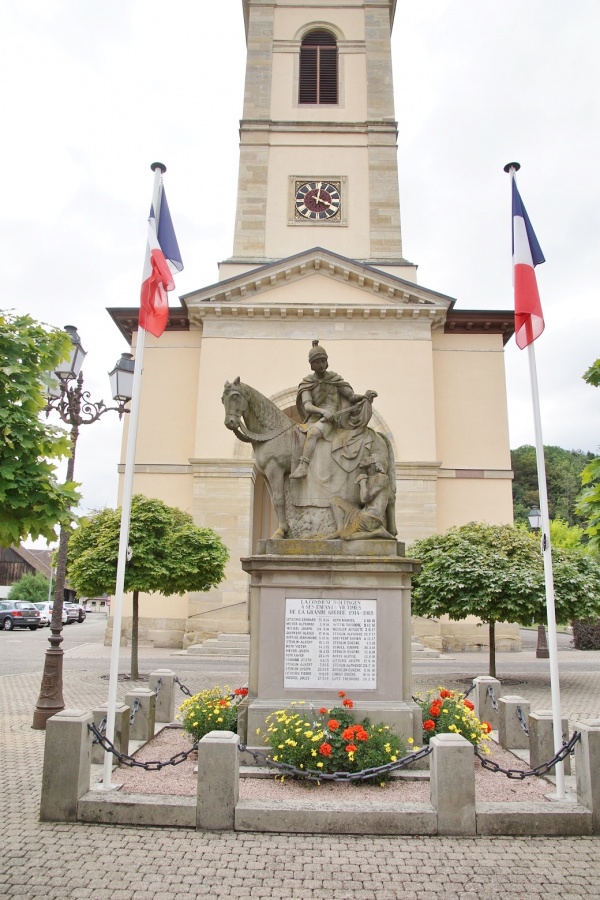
(315, 775)
(542, 769)
(134, 709)
(101, 729)
(182, 687)
(522, 721)
(131, 762)
(490, 693)
(470, 691)
(158, 687)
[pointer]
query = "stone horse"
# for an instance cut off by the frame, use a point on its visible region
(277, 443)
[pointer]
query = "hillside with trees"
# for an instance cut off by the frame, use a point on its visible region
(563, 476)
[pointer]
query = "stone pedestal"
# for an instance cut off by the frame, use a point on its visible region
(330, 616)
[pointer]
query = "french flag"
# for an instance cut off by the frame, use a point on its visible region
(163, 258)
(527, 254)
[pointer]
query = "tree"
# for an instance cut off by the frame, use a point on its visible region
(496, 572)
(31, 500)
(169, 555)
(563, 478)
(588, 504)
(30, 587)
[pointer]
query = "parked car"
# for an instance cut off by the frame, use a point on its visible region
(75, 612)
(46, 613)
(19, 614)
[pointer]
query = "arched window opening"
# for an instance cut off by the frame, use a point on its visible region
(318, 68)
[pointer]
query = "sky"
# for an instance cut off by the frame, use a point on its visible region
(94, 91)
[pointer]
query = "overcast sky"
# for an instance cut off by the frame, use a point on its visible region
(93, 92)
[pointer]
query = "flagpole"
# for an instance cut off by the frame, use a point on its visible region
(548, 575)
(525, 321)
(158, 169)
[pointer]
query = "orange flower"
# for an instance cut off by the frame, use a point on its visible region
(348, 734)
(223, 702)
(341, 694)
(487, 727)
(362, 735)
(333, 724)
(348, 703)
(429, 725)
(323, 711)
(434, 710)
(351, 748)
(241, 692)
(445, 693)
(468, 704)
(325, 749)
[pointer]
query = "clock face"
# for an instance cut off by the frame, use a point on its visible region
(318, 201)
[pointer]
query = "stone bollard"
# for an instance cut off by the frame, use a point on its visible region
(541, 740)
(452, 785)
(218, 781)
(67, 764)
(483, 702)
(164, 680)
(121, 738)
(142, 727)
(587, 768)
(511, 734)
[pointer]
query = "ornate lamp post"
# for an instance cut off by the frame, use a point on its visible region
(65, 395)
(541, 651)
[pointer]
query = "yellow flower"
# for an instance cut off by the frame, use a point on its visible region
(393, 758)
(313, 752)
(258, 730)
(410, 741)
(220, 719)
(319, 765)
(308, 734)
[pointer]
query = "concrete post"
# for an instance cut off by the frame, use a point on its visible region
(218, 781)
(67, 763)
(452, 786)
(121, 739)
(164, 680)
(483, 702)
(587, 768)
(511, 734)
(541, 740)
(142, 727)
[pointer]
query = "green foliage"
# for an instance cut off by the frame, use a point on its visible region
(496, 572)
(215, 709)
(569, 537)
(592, 376)
(31, 500)
(330, 741)
(563, 478)
(588, 505)
(30, 587)
(170, 554)
(448, 712)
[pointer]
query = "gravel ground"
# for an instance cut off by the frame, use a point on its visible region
(180, 780)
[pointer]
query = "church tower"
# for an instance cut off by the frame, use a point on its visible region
(318, 161)
(318, 255)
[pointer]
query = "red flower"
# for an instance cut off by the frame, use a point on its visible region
(351, 748)
(444, 694)
(223, 702)
(429, 725)
(468, 704)
(486, 726)
(333, 724)
(241, 692)
(348, 734)
(348, 703)
(434, 710)
(341, 694)
(323, 711)
(362, 735)
(325, 749)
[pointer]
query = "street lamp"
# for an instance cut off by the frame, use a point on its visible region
(541, 651)
(65, 395)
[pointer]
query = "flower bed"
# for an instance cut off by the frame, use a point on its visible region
(450, 712)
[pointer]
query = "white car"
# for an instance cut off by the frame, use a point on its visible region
(46, 613)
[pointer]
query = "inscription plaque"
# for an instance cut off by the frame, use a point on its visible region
(330, 643)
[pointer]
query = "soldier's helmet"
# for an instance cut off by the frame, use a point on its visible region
(316, 352)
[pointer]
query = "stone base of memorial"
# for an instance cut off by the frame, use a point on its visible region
(331, 616)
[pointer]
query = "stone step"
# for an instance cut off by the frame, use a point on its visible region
(426, 653)
(215, 647)
(234, 638)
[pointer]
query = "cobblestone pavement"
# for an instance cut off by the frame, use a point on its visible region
(58, 861)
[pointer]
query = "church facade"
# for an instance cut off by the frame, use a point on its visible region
(318, 255)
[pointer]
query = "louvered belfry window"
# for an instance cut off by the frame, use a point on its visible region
(318, 68)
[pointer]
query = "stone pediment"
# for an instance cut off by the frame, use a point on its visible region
(317, 282)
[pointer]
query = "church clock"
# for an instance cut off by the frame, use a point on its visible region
(317, 201)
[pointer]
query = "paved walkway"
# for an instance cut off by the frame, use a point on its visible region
(117, 863)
